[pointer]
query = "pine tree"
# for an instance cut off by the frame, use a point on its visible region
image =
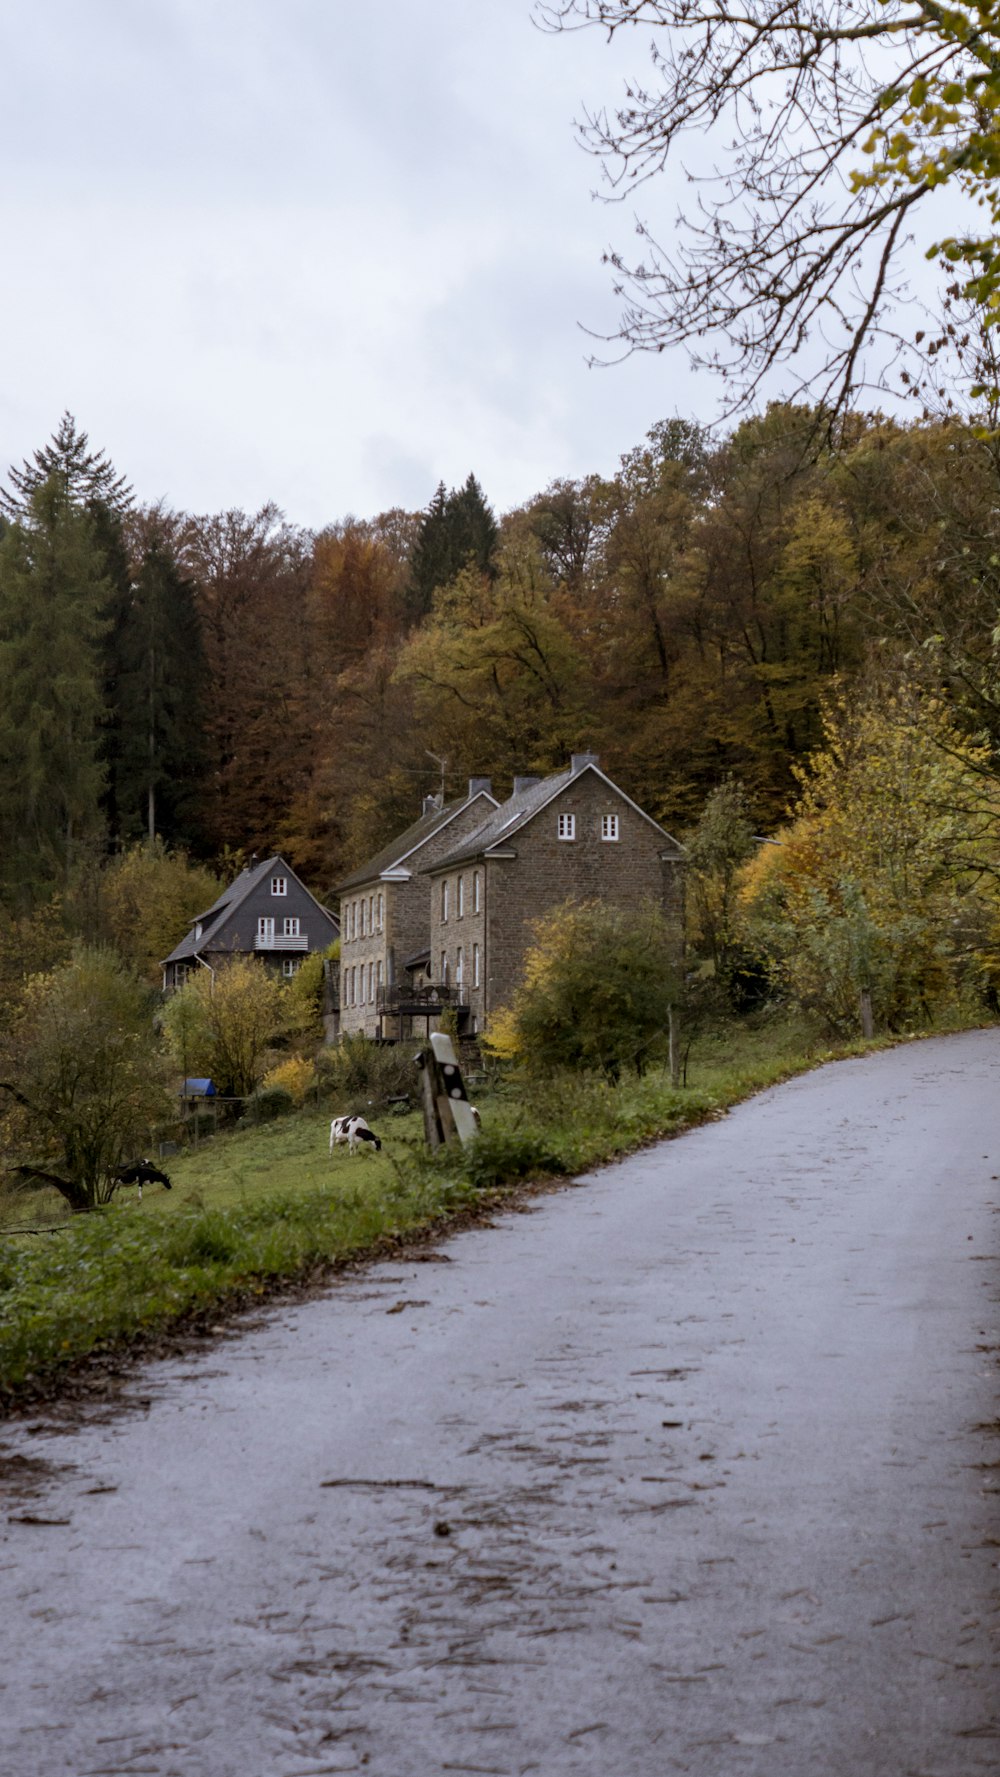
(85, 476)
(458, 531)
(52, 595)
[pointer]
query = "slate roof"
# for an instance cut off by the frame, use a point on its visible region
(518, 810)
(393, 855)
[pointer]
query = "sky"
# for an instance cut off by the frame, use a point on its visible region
(320, 252)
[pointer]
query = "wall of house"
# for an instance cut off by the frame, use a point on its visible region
(406, 921)
(547, 871)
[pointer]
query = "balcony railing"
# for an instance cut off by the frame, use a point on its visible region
(402, 999)
(280, 941)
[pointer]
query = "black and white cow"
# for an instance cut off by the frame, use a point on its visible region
(142, 1172)
(356, 1133)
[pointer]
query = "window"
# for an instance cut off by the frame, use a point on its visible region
(475, 965)
(378, 976)
(371, 913)
(265, 926)
(444, 967)
(475, 891)
(289, 966)
(291, 927)
(380, 913)
(279, 885)
(460, 908)
(362, 916)
(354, 985)
(609, 826)
(458, 967)
(567, 826)
(444, 899)
(354, 919)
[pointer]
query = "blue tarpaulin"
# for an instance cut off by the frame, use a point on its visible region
(198, 1089)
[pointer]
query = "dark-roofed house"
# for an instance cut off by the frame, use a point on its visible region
(385, 978)
(266, 912)
(571, 836)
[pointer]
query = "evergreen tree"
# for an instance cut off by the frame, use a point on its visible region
(85, 476)
(458, 531)
(52, 596)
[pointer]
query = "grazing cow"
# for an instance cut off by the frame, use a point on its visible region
(355, 1132)
(476, 1118)
(142, 1172)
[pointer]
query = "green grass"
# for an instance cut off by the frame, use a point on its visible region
(259, 1205)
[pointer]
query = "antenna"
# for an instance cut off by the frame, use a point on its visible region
(443, 764)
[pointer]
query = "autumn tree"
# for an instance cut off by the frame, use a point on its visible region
(827, 125)
(147, 896)
(83, 1078)
(599, 984)
(221, 1023)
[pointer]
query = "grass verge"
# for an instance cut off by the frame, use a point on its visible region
(260, 1208)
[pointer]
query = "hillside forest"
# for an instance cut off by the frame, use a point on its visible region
(783, 644)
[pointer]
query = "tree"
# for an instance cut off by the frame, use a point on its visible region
(222, 1021)
(598, 989)
(458, 531)
(841, 118)
(84, 1082)
(720, 844)
(52, 597)
(85, 477)
(147, 897)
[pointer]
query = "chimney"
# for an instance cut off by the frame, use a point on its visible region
(432, 805)
(524, 783)
(478, 784)
(579, 760)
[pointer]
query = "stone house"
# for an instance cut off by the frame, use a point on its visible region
(387, 987)
(266, 912)
(574, 835)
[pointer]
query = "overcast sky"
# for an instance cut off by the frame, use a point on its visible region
(325, 252)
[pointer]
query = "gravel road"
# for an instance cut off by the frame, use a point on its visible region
(691, 1467)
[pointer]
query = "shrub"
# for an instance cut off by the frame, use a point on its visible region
(273, 1101)
(362, 1075)
(296, 1076)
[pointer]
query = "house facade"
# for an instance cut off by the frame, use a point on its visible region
(387, 984)
(266, 912)
(572, 836)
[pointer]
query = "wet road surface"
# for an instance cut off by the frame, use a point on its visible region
(692, 1467)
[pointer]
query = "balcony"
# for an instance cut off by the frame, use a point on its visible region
(280, 941)
(403, 1000)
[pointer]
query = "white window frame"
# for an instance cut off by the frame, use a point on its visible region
(381, 912)
(289, 967)
(609, 827)
(444, 901)
(460, 898)
(378, 976)
(362, 916)
(265, 925)
(458, 966)
(475, 891)
(279, 885)
(475, 965)
(290, 926)
(566, 826)
(444, 968)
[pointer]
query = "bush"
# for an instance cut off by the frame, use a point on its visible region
(361, 1075)
(273, 1101)
(296, 1075)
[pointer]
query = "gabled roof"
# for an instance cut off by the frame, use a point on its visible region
(514, 814)
(397, 854)
(229, 902)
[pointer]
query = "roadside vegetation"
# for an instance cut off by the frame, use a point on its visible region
(267, 1207)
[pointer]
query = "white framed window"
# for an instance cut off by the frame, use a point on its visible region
(458, 966)
(354, 984)
(354, 919)
(279, 885)
(444, 899)
(289, 967)
(381, 912)
(290, 926)
(475, 965)
(460, 898)
(475, 891)
(609, 826)
(265, 926)
(444, 967)
(371, 913)
(378, 976)
(566, 827)
(362, 916)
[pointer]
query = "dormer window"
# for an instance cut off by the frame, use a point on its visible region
(567, 826)
(279, 885)
(609, 826)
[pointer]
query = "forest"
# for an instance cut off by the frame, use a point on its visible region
(790, 634)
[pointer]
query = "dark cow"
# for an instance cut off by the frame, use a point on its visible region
(142, 1172)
